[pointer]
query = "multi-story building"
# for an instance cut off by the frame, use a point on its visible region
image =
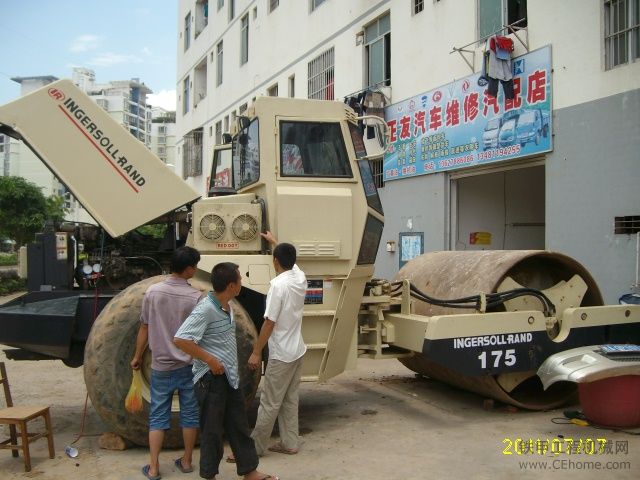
(555, 167)
(125, 100)
(163, 135)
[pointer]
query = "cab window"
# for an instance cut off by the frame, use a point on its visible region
(222, 172)
(313, 149)
(369, 185)
(246, 156)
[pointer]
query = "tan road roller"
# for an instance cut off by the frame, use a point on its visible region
(483, 321)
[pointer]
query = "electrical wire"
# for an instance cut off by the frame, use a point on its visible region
(81, 434)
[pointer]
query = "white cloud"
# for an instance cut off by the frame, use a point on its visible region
(146, 51)
(108, 59)
(84, 43)
(164, 98)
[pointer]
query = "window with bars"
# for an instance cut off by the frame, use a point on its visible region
(192, 153)
(627, 225)
(273, 4)
(377, 171)
(621, 32)
(377, 44)
(244, 40)
(219, 59)
(418, 6)
(321, 76)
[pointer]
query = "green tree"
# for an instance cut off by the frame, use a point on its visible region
(24, 209)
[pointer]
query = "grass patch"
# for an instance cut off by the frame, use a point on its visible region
(8, 259)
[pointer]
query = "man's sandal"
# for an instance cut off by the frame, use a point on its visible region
(279, 448)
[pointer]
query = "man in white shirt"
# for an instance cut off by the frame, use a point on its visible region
(282, 329)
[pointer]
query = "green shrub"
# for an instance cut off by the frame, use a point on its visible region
(10, 282)
(8, 259)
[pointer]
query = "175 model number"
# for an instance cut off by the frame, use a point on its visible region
(507, 357)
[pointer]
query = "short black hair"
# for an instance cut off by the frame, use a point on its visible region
(223, 274)
(184, 257)
(285, 253)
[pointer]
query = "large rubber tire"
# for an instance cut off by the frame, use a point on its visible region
(107, 372)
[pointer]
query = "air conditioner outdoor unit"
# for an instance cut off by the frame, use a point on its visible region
(227, 227)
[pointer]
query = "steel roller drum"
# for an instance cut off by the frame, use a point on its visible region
(454, 274)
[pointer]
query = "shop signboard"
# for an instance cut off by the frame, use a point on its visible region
(460, 125)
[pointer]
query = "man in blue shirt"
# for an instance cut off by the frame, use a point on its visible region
(209, 336)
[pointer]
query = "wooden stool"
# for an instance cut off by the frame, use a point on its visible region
(19, 417)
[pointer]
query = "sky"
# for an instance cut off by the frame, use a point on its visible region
(117, 39)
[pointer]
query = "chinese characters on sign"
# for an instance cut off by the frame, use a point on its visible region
(460, 124)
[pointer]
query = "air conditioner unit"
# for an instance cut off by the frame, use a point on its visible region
(227, 227)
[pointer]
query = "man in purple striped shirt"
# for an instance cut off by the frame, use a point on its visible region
(164, 308)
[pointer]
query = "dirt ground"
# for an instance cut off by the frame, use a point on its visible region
(378, 421)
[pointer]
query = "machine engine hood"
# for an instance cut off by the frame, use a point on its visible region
(120, 182)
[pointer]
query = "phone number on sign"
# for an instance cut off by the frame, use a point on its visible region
(499, 152)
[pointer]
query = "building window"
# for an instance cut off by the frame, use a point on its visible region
(244, 40)
(273, 90)
(292, 86)
(200, 82)
(321, 76)
(418, 6)
(621, 32)
(219, 57)
(219, 132)
(202, 16)
(273, 4)
(627, 225)
(226, 124)
(315, 4)
(187, 31)
(493, 15)
(377, 40)
(185, 96)
(192, 153)
(220, 4)
(255, 12)
(242, 108)
(232, 9)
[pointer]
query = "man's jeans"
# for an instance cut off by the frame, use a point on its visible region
(163, 384)
(222, 410)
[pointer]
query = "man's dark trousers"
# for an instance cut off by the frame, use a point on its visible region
(222, 410)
